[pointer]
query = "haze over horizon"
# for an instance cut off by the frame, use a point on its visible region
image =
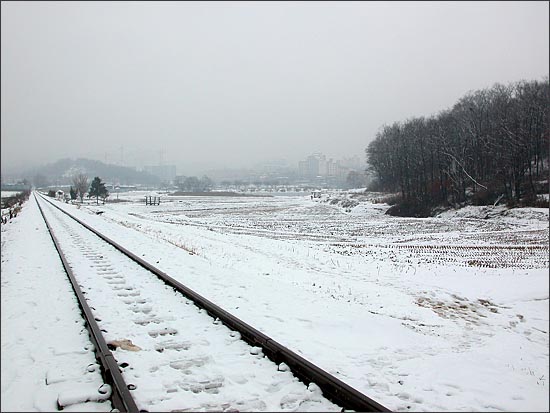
(230, 84)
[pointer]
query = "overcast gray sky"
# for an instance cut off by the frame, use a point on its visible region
(229, 84)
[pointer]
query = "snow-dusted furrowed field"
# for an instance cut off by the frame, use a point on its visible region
(447, 313)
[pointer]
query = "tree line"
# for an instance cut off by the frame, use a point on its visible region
(492, 145)
(96, 189)
(194, 184)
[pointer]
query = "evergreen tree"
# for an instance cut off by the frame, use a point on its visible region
(97, 189)
(72, 192)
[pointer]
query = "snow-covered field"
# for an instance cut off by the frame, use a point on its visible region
(447, 313)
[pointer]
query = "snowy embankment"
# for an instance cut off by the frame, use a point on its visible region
(46, 351)
(412, 334)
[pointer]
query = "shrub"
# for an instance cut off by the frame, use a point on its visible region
(484, 197)
(410, 208)
(349, 203)
(16, 199)
(541, 203)
(542, 187)
(532, 200)
(390, 199)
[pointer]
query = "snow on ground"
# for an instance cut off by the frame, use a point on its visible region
(185, 359)
(46, 351)
(425, 314)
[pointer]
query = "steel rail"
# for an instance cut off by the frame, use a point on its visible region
(333, 389)
(120, 396)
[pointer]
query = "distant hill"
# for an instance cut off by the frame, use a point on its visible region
(62, 171)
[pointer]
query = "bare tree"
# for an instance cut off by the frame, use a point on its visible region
(80, 182)
(491, 144)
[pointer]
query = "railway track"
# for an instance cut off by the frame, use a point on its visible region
(164, 347)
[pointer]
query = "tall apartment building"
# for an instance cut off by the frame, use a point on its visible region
(317, 165)
(313, 166)
(302, 169)
(332, 168)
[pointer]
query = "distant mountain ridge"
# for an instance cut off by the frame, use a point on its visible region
(63, 170)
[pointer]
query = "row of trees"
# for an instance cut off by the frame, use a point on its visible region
(194, 184)
(492, 144)
(354, 179)
(97, 188)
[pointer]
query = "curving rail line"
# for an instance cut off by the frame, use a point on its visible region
(333, 389)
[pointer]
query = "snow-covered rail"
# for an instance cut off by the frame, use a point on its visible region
(120, 395)
(219, 366)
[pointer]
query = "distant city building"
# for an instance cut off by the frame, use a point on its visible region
(317, 165)
(312, 162)
(332, 168)
(166, 173)
(302, 169)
